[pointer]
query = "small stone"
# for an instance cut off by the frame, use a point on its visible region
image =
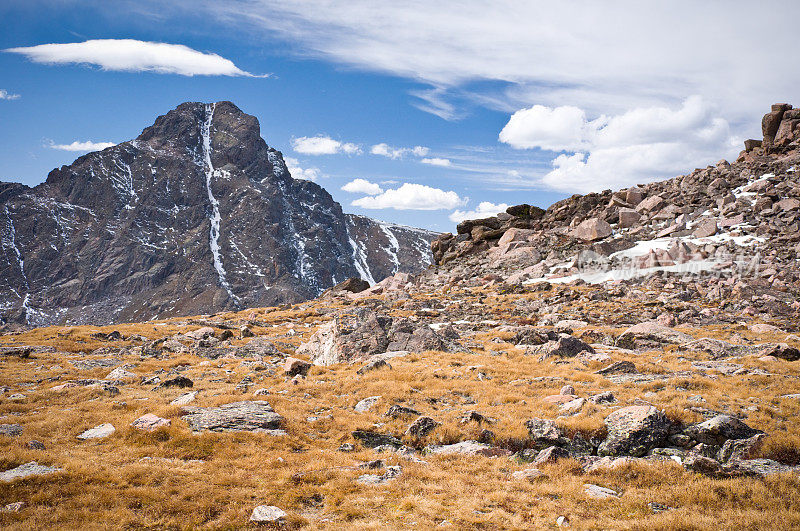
(396, 411)
(567, 390)
(13, 507)
(550, 455)
(268, 514)
(98, 432)
(10, 430)
(34, 445)
(529, 474)
(562, 521)
(347, 447)
(422, 427)
(184, 399)
(120, 374)
(177, 381)
(295, 366)
(366, 404)
(372, 365)
(599, 493)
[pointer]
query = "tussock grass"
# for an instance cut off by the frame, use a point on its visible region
(174, 479)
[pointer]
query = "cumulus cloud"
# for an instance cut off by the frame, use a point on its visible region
(412, 196)
(86, 146)
(435, 161)
(484, 210)
(323, 145)
(129, 55)
(640, 145)
(5, 95)
(297, 172)
(362, 186)
(395, 153)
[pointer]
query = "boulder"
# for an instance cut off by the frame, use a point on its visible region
(356, 334)
(529, 474)
(565, 346)
(651, 204)
(364, 405)
(546, 433)
(551, 455)
(372, 365)
(599, 493)
(200, 333)
(705, 228)
(256, 415)
(396, 411)
(10, 430)
(370, 439)
(592, 229)
(634, 430)
(653, 332)
(150, 422)
(780, 350)
(619, 367)
(719, 429)
(738, 449)
(352, 285)
(628, 218)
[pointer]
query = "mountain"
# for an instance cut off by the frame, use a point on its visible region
(196, 215)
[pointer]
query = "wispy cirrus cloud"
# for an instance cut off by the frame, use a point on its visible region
(5, 95)
(130, 55)
(85, 146)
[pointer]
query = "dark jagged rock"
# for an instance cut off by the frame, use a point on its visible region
(196, 215)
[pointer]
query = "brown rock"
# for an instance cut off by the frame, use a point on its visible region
(592, 229)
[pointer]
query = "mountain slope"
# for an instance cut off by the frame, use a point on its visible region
(195, 215)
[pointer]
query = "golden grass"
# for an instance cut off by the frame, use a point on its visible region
(174, 479)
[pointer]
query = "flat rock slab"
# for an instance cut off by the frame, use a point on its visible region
(86, 365)
(28, 469)
(98, 432)
(184, 399)
(256, 415)
(599, 493)
(464, 447)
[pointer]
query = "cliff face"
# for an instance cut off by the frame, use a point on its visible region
(196, 215)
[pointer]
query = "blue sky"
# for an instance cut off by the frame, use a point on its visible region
(525, 102)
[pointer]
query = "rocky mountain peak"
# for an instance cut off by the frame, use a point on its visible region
(197, 214)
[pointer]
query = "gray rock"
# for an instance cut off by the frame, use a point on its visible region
(150, 422)
(98, 432)
(10, 430)
(87, 365)
(529, 474)
(27, 470)
(599, 493)
(463, 447)
(268, 514)
(545, 433)
(374, 479)
(184, 399)
(256, 415)
(550, 455)
(719, 429)
(372, 365)
(634, 430)
(619, 367)
(371, 439)
(565, 346)
(295, 366)
(739, 449)
(649, 333)
(422, 427)
(366, 404)
(396, 411)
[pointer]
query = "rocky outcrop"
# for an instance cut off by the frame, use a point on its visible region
(353, 335)
(196, 215)
(255, 415)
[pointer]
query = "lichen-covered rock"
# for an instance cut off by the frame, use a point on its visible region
(634, 430)
(719, 429)
(236, 416)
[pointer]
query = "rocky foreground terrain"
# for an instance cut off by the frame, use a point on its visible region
(195, 215)
(622, 360)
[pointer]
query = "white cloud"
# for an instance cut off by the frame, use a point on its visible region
(129, 55)
(412, 196)
(309, 174)
(640, 145)
(598, 56)
(362, 186)
(86, 146)
(394, 153)
(323, 145)
(5, 95)
(484, 210)
(435, 161)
